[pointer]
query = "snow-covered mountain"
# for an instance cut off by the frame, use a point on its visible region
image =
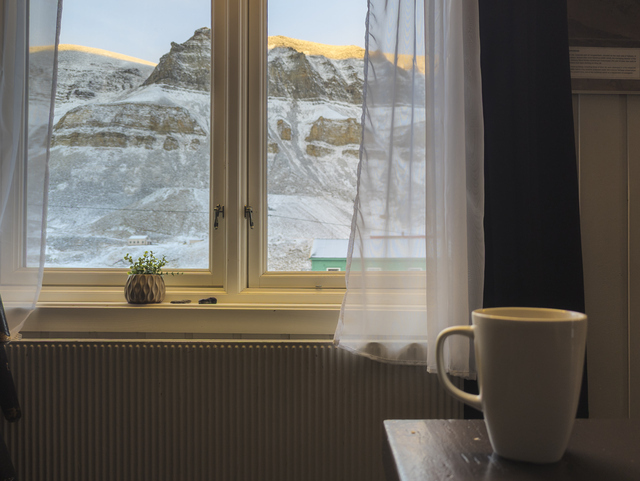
(130, 152)
(86, 73)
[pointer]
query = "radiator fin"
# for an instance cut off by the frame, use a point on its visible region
(208, 411)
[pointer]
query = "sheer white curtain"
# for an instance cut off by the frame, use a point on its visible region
(27, 89)
(416, 252)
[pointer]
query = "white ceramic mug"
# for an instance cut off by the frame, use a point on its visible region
(529, 363)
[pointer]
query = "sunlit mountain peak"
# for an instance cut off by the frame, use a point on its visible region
(101, 52)
(337, 52)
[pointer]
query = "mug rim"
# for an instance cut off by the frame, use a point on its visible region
(535, 314)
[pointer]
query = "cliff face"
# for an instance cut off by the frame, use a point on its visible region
(294, 75)
(124, 125)
(335, 132)
(131, 152)
(187, 65)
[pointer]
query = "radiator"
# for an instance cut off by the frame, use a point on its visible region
(208, 410)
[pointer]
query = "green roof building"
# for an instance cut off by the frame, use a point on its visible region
(388, 253)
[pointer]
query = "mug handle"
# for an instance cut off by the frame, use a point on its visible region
(470, 399)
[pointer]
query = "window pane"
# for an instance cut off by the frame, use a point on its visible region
(315, 78)
(130, 156)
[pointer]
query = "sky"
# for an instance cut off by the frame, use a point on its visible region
(146, 28)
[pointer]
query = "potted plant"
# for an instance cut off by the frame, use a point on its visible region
(145, 284)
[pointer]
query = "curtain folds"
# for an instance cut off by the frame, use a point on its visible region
(27, 89)
(532, 212)
(416, 251)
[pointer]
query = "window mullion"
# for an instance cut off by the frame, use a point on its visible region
(230, 119)
(257, 120)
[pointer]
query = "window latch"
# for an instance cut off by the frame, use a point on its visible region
(248, 213)
(219, 210)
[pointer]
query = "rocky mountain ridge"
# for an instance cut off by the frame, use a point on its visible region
(187, 65)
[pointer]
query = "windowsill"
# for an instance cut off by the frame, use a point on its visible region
(256, 314)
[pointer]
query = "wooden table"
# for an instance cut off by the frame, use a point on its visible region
(425, 450)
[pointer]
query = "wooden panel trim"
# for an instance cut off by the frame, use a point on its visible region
(633, 160)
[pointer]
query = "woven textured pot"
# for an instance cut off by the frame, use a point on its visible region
(144, 289)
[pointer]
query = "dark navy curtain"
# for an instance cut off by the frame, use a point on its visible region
(532, 223)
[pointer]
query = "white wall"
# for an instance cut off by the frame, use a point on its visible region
(608, 147)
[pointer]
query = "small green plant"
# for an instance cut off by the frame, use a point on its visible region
(147, 264)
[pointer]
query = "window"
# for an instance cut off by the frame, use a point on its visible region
(311, 120)
(315, 74)
(259, 121)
